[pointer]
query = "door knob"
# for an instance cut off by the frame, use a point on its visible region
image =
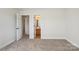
(17, 28)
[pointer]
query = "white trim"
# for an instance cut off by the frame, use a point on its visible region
(71, 42)
(53, 38)
(7, 43)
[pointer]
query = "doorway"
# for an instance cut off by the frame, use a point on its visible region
(25, 26)
(37, 28)
(22, 26)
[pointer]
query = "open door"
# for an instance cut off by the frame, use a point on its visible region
(18, 27)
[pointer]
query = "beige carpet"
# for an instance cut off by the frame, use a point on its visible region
(26, 44)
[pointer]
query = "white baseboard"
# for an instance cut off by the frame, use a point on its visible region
(7, 43)
(53, 38)
(71, 42)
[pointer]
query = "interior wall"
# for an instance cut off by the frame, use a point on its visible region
(27, 25)
(52, 22)
(72, 22)
(7, 26)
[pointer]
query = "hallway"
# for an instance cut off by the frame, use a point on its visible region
(26, 44)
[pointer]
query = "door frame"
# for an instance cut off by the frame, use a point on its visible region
(30, 17)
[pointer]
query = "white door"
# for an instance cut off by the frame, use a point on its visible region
(18, 27)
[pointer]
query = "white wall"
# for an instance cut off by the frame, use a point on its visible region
(72, 19)
(27, 25)
(7, 26)
(51, 22)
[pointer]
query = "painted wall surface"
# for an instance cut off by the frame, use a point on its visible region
(7, 26)
(72, 22)
(52, 22)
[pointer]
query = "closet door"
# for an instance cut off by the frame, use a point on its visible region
(18, 27)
